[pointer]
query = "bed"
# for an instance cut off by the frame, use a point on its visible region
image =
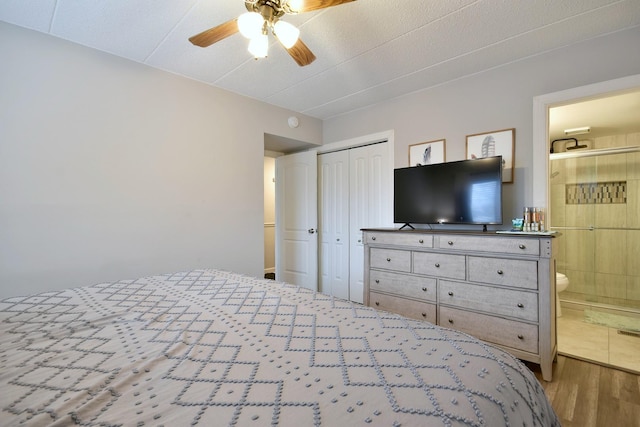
(210, 347)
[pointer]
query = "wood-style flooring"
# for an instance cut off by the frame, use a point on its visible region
(584, 394)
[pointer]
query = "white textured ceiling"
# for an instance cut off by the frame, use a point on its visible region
(368, 51)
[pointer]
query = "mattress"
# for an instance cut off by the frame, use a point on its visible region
(215, 348)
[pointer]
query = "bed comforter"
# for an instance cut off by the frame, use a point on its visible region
(215, 348)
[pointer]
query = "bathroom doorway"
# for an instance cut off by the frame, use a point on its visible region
(594, 205)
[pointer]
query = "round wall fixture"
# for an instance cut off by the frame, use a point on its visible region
(293, 122)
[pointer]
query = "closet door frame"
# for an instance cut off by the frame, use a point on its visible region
(386, 218)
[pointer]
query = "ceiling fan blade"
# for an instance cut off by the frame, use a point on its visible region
(301, 53)
(215, 34)
(310, 5)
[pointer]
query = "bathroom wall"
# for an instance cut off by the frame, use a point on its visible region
(602, 192)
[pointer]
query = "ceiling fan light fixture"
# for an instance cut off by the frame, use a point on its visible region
(259, 46)
(250, 24)
(287, 33)
(294, 5)
(262, 18)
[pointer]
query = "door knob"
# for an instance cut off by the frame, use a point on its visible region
(311, 230)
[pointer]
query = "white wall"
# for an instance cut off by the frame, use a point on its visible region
(110, 169)
(496, 99)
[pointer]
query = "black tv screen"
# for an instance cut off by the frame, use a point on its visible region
(462, 192)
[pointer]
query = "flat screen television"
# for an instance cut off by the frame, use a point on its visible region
(461, 192)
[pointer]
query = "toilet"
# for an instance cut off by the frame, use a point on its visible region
(562, 282)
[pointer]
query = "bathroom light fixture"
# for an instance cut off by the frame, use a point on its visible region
(577, 131)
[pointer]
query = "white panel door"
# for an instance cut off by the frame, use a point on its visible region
(333, 227)
(296, 219)
(371, 196)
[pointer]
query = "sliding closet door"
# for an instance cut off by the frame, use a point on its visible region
(333, 227)
(371, 204)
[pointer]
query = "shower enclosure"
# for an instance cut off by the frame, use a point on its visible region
(595, 208)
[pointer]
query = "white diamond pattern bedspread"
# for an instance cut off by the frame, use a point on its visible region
(214, 348)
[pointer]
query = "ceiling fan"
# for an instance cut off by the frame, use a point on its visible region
(264, 16)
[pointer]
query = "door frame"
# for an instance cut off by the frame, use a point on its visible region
(386, 137)
(359, 141)
(540, 147)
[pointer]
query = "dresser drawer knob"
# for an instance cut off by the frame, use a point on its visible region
(451, 321)
(437, 264)
(500, 272)
(373, 237)
(520, 337)
(388, 259)
(424, 289)
(424, 315)
(450, 243)
(520, 305)
(378, 281)
(521, 246)
(450, 293)
(420, 241)
(377, 303)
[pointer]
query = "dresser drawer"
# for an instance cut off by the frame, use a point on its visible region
(405, 307)
(414, 240)
(507, 245)
(502, 302)
(441, 265)
(423, 288)
(509, 333)
(390, 259)
(501, 271)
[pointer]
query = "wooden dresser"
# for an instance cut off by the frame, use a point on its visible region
(497, 287)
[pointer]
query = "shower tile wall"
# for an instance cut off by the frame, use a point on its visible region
(603, 266)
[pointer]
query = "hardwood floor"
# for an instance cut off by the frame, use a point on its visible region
(584, 394)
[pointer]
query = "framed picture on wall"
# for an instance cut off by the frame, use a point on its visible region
(427, 153)
(496, 143)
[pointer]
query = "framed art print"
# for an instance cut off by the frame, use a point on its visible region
(496, 143)
(427, 153)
